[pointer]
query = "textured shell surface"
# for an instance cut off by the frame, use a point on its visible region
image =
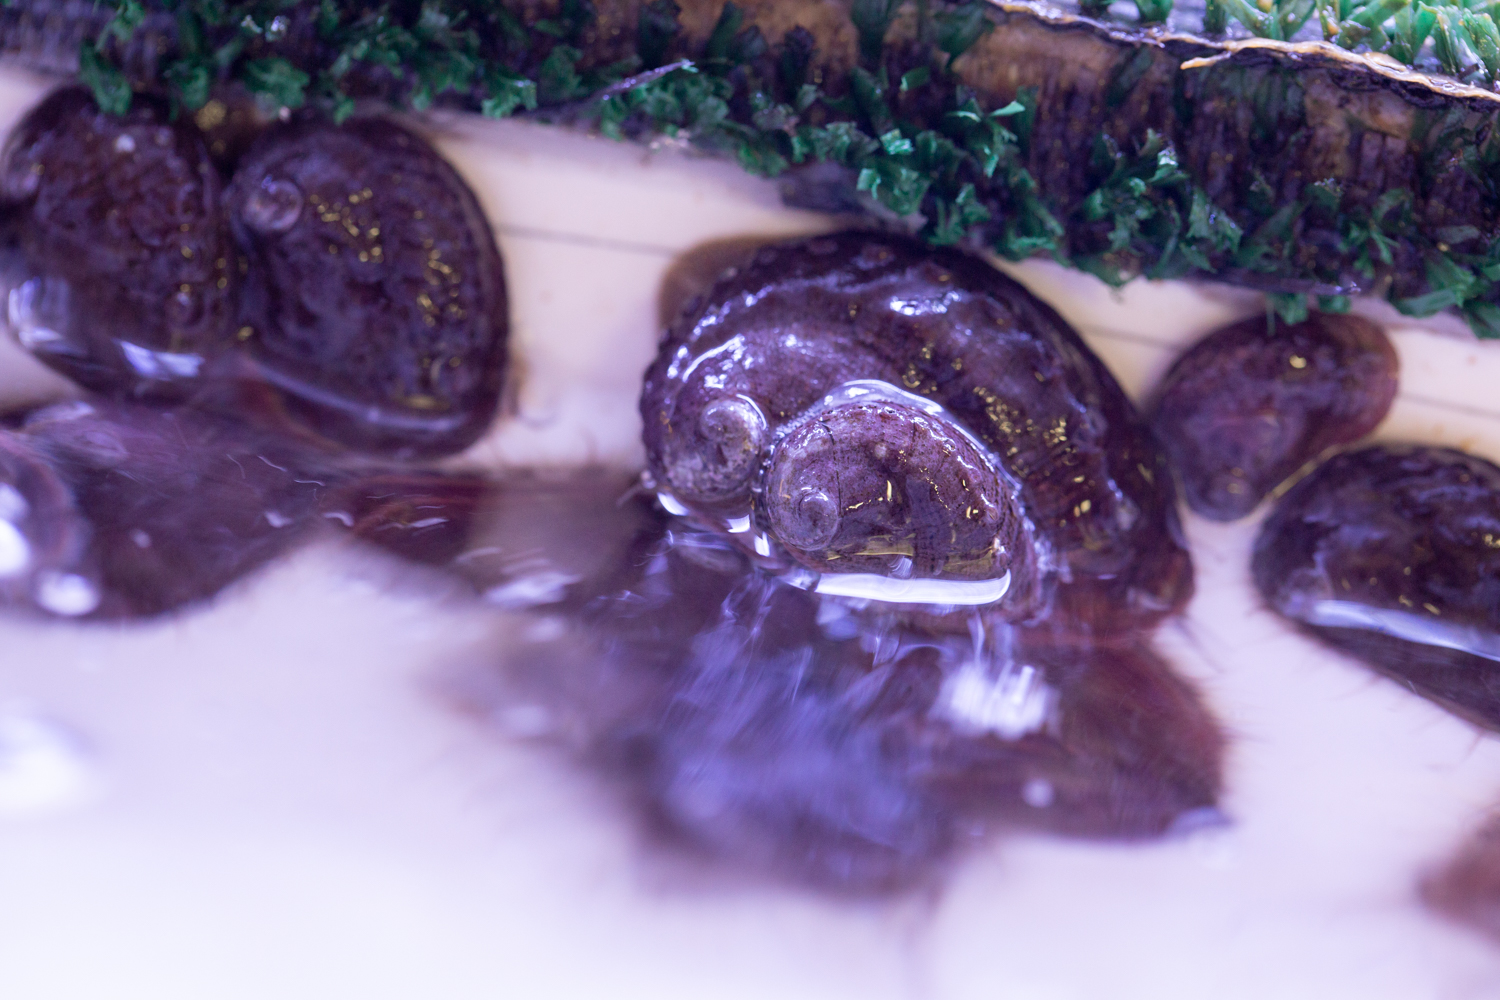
(826, 390)
(351, 738)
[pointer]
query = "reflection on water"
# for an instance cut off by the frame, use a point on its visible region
(835, 742)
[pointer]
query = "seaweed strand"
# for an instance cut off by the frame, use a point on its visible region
(916, 145)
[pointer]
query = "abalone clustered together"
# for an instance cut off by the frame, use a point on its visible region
(342, 292)
(870, 409)
(916, 537)
(834, 394)
(1390, 553)
(915, 534)
(346, 265)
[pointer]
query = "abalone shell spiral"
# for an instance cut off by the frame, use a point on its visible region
(992, 439)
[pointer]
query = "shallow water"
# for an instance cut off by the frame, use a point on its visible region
(272, 796)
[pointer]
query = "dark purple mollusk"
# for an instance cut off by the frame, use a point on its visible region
(1249, 405)
(780, 730)
(861, 404)
(1127, 751)
(875, 484)
(374, 296)
(120, 271)
(1392, 554)
(142, 511)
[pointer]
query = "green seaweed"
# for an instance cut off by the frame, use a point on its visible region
(913, 139)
